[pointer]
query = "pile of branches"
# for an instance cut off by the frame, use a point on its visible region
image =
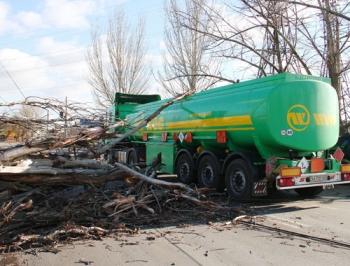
(33, 215)
(58, 188)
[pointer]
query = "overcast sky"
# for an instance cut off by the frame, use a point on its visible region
(43, 44)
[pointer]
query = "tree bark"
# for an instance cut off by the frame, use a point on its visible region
(72, 178)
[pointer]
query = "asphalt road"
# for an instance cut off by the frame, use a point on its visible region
(283, 231)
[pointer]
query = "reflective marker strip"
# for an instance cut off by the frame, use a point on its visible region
(291, 172)
(345, 168)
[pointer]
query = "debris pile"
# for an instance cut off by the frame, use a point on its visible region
(58, 188)
(58, 195)
(44, 213)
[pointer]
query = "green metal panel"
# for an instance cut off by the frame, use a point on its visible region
(124, 109)
(168, 154)
(125, 104)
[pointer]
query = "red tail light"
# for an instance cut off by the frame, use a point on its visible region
(285, 182)
(346, 177)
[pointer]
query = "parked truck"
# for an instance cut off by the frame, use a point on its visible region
(248, 138)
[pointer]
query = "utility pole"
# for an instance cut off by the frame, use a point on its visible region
(65, 120)
(47, 121)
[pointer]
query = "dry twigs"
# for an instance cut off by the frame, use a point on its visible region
(56, 189)
(58, 214)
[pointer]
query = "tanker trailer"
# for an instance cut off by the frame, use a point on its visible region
(248, 137)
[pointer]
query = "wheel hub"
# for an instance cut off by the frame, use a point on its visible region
(208, 174)
(238, 181)
(184, 170)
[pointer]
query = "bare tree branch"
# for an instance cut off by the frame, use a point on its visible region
(117, 60)
(188, 63)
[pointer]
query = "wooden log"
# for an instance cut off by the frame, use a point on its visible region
(8, 170)
(17, 152)
(87, 163)
(72, 179)
(35, 162)
(153, 180)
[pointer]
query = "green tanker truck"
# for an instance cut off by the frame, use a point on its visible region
(248, 137)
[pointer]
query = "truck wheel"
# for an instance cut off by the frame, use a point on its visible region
(309, 191)
(208, 172)
(109, 157)
(132, 157)
(185, 169)
(238, 180)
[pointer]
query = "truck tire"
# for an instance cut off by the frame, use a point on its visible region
(309, 191)
(185, 169)
(238, 180)
(208, 172)
(132, 157)
(109, 157)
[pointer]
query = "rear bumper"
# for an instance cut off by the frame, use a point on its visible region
(314, 180)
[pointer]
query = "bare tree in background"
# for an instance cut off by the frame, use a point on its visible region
(117, 60)
(329, 44)
(31, 112)
(268, 37)
(337, 50)
(187, 62)
(257, 36)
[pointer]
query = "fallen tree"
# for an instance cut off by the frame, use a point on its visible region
(61, 158)
(58, 187)
(81, 138)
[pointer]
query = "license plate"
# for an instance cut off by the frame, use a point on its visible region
(318, 178)
(328, 186)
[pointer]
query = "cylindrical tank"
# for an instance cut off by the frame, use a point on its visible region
(272, 116)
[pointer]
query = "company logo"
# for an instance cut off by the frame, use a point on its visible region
(156, 123)
(325, 120)
(298, 117)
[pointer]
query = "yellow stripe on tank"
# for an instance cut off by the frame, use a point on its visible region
(211, 122)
